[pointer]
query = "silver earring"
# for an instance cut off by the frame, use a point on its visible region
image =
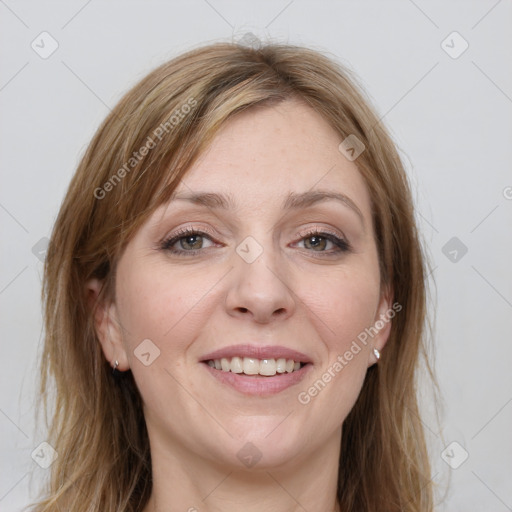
(116, 364)
(376, 353)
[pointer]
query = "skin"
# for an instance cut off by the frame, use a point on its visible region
(300, 293)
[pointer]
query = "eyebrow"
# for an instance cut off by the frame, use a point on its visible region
(293, 200)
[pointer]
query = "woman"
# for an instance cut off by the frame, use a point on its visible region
(235, 298)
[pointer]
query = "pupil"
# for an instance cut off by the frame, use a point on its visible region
(192, 241)
(317, 242)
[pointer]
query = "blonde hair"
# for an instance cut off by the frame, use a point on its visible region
(97, 425)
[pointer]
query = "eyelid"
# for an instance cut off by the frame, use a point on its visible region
(167, 241)
(337, 238)
(321, 230)
(185, 230)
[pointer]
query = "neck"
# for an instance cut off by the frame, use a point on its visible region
(189, 483)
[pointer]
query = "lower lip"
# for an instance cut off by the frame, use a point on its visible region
(258, 385)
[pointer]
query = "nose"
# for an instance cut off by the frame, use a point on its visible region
(260, 290)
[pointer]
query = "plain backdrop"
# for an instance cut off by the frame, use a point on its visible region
(447, 99)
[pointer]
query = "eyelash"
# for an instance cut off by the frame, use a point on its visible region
(341, 244)
(169, 242)
(166, 245)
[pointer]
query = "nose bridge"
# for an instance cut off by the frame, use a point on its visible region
(258, 285)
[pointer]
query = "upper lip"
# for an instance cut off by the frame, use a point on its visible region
(257, 352)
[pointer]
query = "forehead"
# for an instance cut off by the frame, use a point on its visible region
(270, 151)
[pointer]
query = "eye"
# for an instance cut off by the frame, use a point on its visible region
(319, 241)
(190, 241)
(187, 241)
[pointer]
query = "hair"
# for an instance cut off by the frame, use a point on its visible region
(96, 421)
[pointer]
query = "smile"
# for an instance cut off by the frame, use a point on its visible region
(253, 366)
(257, 370)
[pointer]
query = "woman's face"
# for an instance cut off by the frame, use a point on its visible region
(266, 254)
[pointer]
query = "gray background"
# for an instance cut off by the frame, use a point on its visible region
(451, 118)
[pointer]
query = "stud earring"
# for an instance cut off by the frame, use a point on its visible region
(114, 369)
(376, 353)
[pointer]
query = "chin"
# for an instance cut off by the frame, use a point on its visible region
(264, 442)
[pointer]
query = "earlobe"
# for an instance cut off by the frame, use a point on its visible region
(382, 325)
(107, 326)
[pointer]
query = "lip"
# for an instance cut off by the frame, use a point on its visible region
(258, 385)
(257, 352)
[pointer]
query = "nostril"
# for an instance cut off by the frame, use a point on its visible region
(243, 310)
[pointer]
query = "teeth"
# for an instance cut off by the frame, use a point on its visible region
(236, 365)
(224, 364)
(252, 366)
(268, 367)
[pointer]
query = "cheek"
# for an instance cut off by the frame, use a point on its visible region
(170, 310)
(343, 304)
(342, 308)
(163, 306)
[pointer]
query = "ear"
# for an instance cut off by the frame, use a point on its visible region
(384, 315)
(107, 325)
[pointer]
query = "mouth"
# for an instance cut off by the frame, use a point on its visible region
(256, 367)
(257, 370)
